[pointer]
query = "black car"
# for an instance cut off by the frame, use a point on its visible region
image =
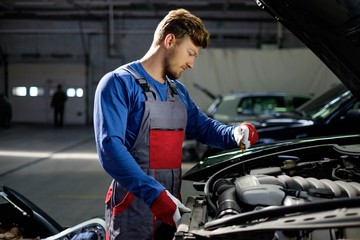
(336, 111)
(307, 188)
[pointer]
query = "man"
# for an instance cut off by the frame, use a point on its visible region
(58, 103)
(141, 114)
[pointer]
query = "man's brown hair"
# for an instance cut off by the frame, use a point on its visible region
(182, 23)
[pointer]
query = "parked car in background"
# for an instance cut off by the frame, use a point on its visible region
(5, 111)
(306, 188)
(237, 107)
(336, 111)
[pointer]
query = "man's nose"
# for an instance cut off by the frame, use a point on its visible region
(190, 64)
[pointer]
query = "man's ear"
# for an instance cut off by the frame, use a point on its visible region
(169, 40)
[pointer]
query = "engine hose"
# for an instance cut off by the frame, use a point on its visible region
(227, 203)
(221, 185)
(211, 181)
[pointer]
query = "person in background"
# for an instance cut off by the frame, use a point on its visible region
(141, 115)
(58, 104)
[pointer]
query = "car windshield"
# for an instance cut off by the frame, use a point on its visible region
(233, 105)
(262, 104)
(230, 107)
(322, 106)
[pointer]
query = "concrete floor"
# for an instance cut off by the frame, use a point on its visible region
(58, 170)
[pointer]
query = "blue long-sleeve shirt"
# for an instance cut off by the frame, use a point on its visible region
(118, 111)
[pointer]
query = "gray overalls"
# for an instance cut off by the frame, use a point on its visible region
(158, 151)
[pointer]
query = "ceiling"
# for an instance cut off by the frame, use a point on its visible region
(232, 23)
(217, 10)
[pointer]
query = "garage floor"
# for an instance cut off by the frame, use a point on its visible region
(58, 170)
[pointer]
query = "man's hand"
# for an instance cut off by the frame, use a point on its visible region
(167, 208)
(245, 135)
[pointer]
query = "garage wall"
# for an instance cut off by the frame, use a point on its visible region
(46, 76)
(218, 70)
(231, 70)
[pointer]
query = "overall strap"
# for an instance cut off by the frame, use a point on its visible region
(172, 93)
(149, 93)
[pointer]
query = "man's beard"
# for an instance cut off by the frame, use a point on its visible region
(168, 70)
(172, 75)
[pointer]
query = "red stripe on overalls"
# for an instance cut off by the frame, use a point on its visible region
(125, 203)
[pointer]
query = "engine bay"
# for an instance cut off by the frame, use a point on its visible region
(251, 197)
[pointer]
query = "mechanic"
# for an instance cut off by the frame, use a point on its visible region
(141, 115)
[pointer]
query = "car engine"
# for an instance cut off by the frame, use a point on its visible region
(252, 192)
(291, 197)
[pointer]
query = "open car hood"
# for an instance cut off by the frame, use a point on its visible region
(330, 28)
